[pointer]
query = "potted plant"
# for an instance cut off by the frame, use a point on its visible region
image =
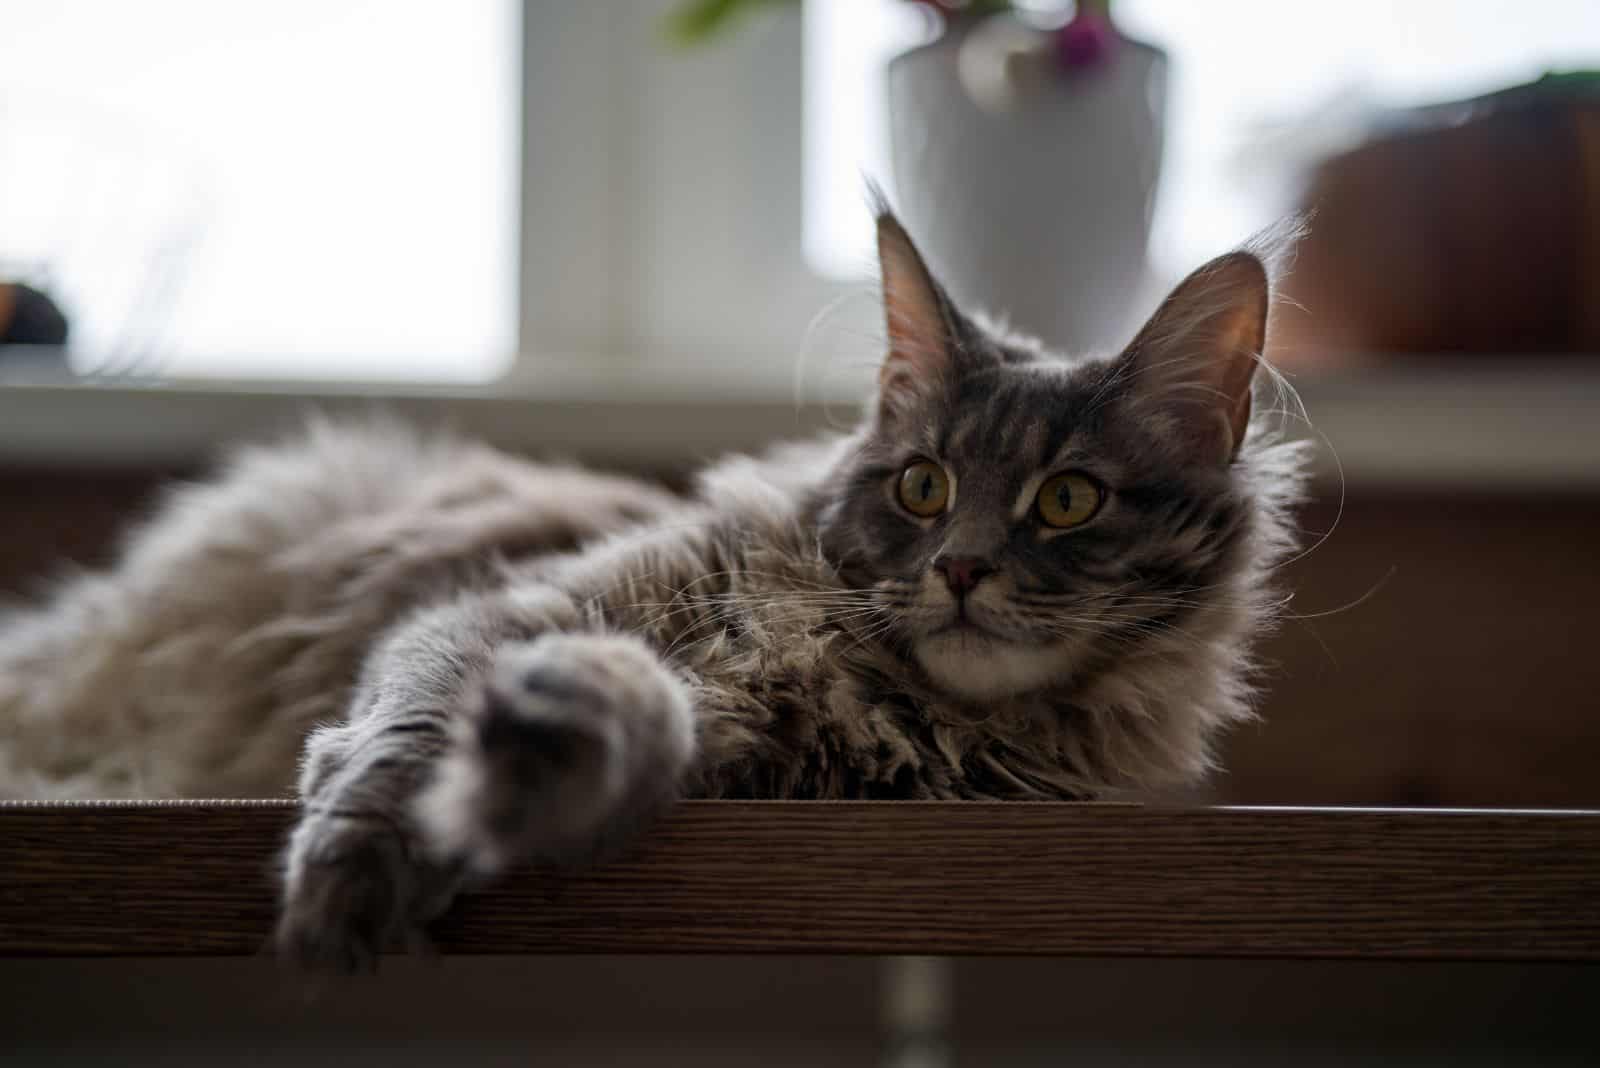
(1026, 150)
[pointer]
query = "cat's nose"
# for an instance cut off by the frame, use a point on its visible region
(962, 573)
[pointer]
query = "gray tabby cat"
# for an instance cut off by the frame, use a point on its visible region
(1019, 577)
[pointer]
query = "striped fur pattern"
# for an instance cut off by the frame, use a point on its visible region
(481, 660)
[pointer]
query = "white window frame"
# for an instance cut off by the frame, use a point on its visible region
(662, 198)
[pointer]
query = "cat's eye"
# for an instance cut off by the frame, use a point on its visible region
(924, 488)
(1069, 500)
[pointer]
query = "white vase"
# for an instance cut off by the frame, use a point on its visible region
(1035, 208)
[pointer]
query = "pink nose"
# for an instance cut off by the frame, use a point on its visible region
(962, 573)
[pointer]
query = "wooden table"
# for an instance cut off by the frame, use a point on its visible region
(195, 878)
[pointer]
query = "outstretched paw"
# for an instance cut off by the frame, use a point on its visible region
(569, 734)
(354, 886)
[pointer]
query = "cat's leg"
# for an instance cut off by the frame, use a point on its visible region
(487, 732)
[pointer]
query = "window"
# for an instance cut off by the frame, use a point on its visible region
(296, 189)
(423, 189)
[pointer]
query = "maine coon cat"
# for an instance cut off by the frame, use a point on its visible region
(1022, 576)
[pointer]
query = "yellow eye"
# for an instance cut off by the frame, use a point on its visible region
(1068, 500)
(924, 488)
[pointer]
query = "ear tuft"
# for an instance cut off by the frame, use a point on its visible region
(920, 323)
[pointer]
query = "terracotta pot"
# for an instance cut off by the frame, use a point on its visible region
(1476, 231)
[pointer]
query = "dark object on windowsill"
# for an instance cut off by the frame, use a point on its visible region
(1468, 229)
(29, 317)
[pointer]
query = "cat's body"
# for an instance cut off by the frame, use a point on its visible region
(240, 618)
(1020, 578)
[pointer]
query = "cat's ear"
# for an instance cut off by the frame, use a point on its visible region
(1195, 358)
(921, 322)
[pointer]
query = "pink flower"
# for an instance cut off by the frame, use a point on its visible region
(1087, 41)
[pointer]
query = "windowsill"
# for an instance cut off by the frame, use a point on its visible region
(605, 411)
(1503, 425)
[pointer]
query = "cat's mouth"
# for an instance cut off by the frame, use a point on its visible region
(963, 623)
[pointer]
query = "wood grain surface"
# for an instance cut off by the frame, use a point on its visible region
(872, 877)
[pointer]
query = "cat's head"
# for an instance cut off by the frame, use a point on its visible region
(1026, 520)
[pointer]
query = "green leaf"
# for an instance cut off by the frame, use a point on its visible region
(695, 22)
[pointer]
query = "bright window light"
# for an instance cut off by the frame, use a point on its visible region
(296, 189)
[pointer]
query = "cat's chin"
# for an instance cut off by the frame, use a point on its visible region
(975, 665)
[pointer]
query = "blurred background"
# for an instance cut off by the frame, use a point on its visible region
(636, 232)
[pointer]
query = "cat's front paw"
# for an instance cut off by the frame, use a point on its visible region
(353, 887)
(571, 735)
